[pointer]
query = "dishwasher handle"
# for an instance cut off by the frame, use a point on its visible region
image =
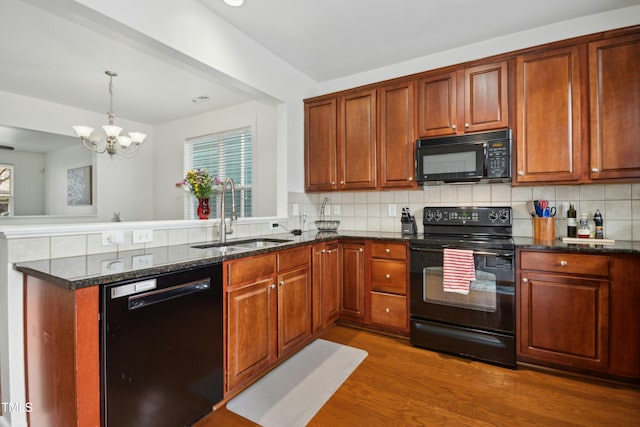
(161, 295)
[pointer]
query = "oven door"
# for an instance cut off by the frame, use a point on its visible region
(490, 302)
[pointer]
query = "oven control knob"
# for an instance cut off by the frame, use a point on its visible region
(493, 215)
(428, 215)
(438, 215)
(504, 216)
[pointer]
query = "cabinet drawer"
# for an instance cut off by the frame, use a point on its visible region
(389, 276)
(389, 310)
(294, 258)
(387, 250)
(251, 268)
(593, 265)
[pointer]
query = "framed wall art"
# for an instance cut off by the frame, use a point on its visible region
(79, 186)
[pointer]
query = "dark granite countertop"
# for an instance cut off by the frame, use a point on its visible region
(99, 269)
(91, 270)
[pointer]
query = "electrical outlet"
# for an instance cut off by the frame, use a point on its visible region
(391, 210)
(112, 238)
(273, 225)
(112, 266)
(142, 236)
(142, 261)
(296, 209)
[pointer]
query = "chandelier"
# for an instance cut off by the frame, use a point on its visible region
(114, 143)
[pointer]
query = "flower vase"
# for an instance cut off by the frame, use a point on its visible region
(203, 208)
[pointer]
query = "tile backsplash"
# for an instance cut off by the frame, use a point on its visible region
(618, 203)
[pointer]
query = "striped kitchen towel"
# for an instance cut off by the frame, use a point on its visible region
(457, 270)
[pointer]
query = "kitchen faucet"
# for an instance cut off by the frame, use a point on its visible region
(233, 217)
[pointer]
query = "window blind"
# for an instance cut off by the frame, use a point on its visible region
(227, 154)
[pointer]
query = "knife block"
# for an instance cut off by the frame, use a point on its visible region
(409, 226)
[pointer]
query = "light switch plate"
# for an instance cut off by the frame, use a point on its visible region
(112, 238)
(391, 210)
(142, 236)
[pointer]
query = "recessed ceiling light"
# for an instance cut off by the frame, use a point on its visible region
(199, 99)
(234, 3)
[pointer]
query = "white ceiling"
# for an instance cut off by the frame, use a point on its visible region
(327, 39)
(49, 50)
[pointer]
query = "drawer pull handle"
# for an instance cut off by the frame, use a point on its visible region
(563, 263)
(387, 310)
(525, 280)
(388, 276)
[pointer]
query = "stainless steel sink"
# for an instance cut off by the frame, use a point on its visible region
(239, 245)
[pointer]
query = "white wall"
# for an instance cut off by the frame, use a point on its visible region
(169, 154)
(122, 184)
(28, 181)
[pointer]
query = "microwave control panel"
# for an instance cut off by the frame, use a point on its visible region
(498, 159)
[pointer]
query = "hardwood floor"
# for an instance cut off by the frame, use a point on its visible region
(400, 385)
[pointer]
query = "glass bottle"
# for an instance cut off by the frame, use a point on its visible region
(597, 218)
(572, 222)
(583, 228)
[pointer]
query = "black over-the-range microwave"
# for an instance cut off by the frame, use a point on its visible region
(477, 157)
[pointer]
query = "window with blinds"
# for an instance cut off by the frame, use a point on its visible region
(6, 190)
(226, 154)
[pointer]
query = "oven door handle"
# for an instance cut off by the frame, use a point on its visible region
(479, 253)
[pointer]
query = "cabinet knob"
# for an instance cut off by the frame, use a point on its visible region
(563, 263)
(388, 276)
(360, 250)
(453, 126)
(520, 173)
(322, 251)
(466, 125)
(410, 178)
(595, 170)
(387, 250)
(388, 310)
(341, 182)
(329, 251)
(273, 286)
(333, 183)
(525, 280)
(282, 283)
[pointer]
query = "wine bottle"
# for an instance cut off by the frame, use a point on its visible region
(597, 218)
(572, 222)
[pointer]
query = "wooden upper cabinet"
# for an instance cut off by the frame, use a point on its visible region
(357, 140)
(549, 110)
(614, 82)
(320, 145)
(468, 100)
(437, 105)
(486, 100)
(396, 144)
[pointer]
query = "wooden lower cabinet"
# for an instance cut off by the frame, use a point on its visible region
(268, 311)
(353, 281)
(575, 311)
(326, 284)
(387, 289)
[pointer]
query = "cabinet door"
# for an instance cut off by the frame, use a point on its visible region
(549, 110)
(396, 139)
(357, 140)
(564, 320)
(251, 331)
(320, 147)
(353, 280)
(486, 97)
(294, 309)
(614, 77)
(437, 105)
(332, 284)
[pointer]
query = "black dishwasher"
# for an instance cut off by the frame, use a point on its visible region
(161, 355)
